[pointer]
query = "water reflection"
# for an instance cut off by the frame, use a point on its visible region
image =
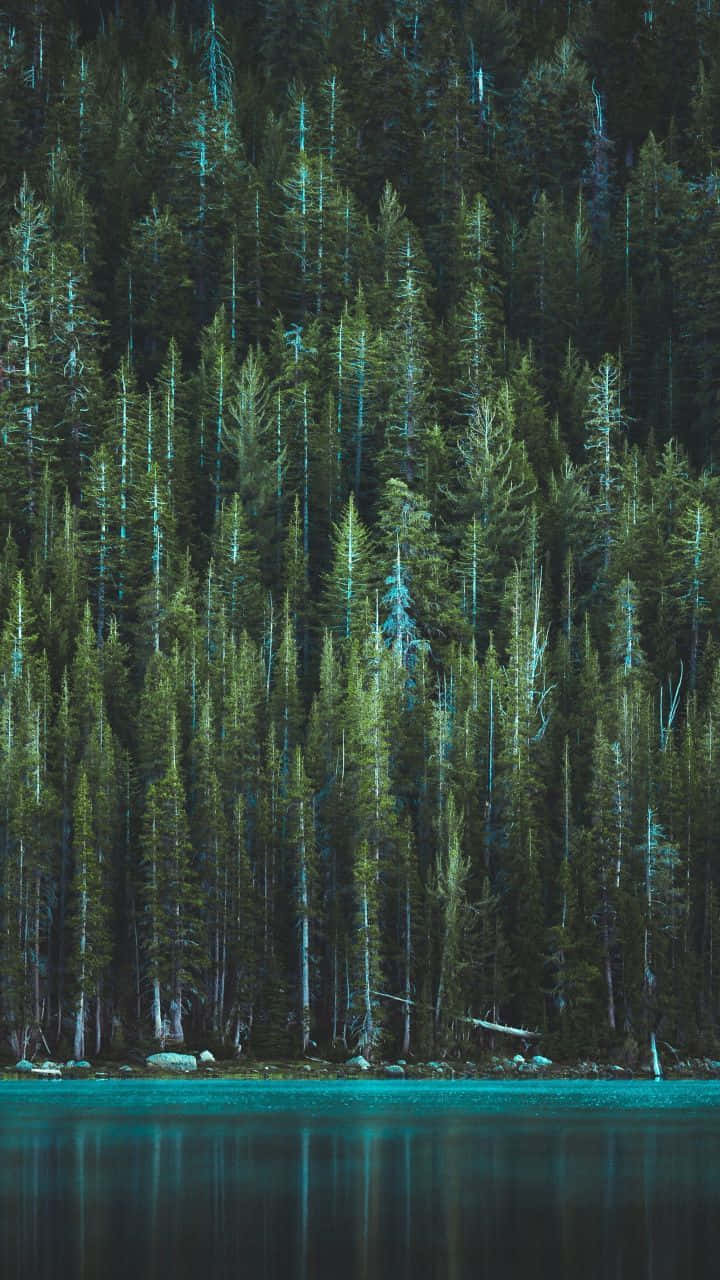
(291, 1194)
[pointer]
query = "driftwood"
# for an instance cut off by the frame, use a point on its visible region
(519, 1032)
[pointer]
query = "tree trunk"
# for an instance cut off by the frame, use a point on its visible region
(408, 958)
(304, 938)
(79, 1041)
(368, 1025)
(98, 1018)
(176, 1023)
(156, 1011)
(655, 1060)
(609, 977)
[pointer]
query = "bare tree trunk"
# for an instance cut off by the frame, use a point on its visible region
(98, 1018)
(156, 1011)
(408, 958)
(334, 991)
(609, 977)
(655, 1060)
(176, 1023)
(368, 1023)
(36, 960)
(79, 1041)
(304, 938)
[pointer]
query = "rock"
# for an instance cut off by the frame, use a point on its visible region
(358, 1061)
(172, 1061)
(80, 1063)
(519, 1060)
(437, 1066)
(125, 1070)
(712, 1064)
(394, 1069)
(539, 1061)
(48, 1066)
(615, 1067)
(206, 1056)
(307, 1067)
(23, 1065)
(401, 1062)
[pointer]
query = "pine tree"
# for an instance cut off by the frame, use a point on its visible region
(450, 888)
(169, 895)
(302, 841)
(349, 581)
(89, 916)
(26, 438)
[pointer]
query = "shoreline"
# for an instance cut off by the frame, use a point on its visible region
(325, 1071)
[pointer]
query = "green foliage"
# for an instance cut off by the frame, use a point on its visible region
(359, 519)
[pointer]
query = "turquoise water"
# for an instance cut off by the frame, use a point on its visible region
(286, 1180)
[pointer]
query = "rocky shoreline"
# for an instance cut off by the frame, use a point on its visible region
(203, 1065)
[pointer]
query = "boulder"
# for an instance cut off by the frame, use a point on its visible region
(437, 1066)
(125, 1070)
(172, 1061)
(206, 1056)
(519, 1060)
(49, 1066)
(539, 1061)
(358, 1061)
(393, 1069)
(23, 1065)
(80, 1063)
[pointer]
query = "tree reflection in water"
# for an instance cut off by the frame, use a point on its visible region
(377, 1182)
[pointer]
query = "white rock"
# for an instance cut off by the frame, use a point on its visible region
(358, 1061)
(172, 1061)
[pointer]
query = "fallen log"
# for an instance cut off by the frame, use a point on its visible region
(519, 1032)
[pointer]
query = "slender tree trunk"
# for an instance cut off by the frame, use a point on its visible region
(608, 974)
(79, 1041)
(304, 937)
(176, 1021)
(79, 1046)
(655, 1060)
(156, 1011)
(368, 1024)
(408, 961)
(98, 1018)
(36, 958)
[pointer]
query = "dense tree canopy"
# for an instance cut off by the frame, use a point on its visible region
(360, 523)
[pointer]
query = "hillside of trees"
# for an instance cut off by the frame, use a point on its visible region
(360, 522)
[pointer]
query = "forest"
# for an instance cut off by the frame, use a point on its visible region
(360, 521)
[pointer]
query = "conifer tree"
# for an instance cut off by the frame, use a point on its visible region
(89, 911)
(349, 580)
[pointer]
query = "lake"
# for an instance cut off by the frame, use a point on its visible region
(310, 1181)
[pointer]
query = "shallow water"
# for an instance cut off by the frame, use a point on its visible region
(308, 1181)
